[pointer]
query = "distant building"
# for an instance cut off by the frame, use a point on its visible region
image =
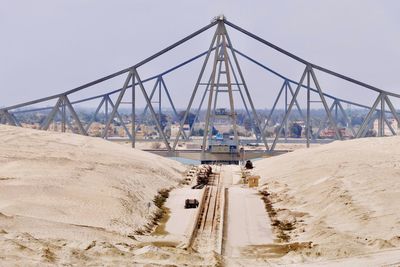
(175, 129)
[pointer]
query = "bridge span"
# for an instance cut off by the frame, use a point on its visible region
(226, 77)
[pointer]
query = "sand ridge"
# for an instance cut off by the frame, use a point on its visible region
(343, 197)
(67, 190)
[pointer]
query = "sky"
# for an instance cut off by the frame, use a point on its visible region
(50, 46)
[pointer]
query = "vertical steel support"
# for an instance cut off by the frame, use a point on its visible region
(68, 123)
(244, 102)
(106, 118)
(153, 113)
(133, 114)
(211, 93)
(63, 118)
(216, 98)
(290, 108)
(286, 108)
(308, 124)
(321, 95)
(381, 121)
(393, 111)
(231, 102)
(201, 104)
(159, 101)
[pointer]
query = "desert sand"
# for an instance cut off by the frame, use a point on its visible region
(71, 199)
(343, 197)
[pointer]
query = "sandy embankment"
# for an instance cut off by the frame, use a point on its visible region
(343, 197)
(66, 198)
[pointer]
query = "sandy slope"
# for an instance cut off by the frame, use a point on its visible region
(343, 196)
(73, 189)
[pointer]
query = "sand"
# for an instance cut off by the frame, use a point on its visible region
(343, 197)
(67, 198)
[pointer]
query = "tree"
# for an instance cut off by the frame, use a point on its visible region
(295, 130)
(163, 121)
(189, 119)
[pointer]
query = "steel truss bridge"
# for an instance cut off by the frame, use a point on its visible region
(223, 57)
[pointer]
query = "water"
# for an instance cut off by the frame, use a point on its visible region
(186, 161)
(197, 162)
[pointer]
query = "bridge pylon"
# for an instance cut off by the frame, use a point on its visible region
(223, 79)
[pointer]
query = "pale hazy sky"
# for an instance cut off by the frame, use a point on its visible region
(50, 46)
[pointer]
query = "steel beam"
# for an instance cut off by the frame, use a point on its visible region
(363, 126)
(114, 110)
(67, 122)
(200, 105)
(95, 114)
(215, 99)
(120, 118)
(133, 118)
(289, 109)
(244, 101)
(323, 122)
(390, 127)
(392, 109)
(53, 112)
(255, 116)
(331, 120)
(211, 93)
(153, 113)
(308, 124)
(195, 89)
(381, 120)
(348, 122)
(162, 83)
(231, 102)
(74, 115)
(274, 105)
(277, 48)
(17, 123)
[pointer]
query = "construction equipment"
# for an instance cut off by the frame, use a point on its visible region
(249, 165)
(191, 203)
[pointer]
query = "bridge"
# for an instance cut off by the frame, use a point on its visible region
(226, 78)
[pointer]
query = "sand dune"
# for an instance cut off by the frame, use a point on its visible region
(343, 197)
(73, 189)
